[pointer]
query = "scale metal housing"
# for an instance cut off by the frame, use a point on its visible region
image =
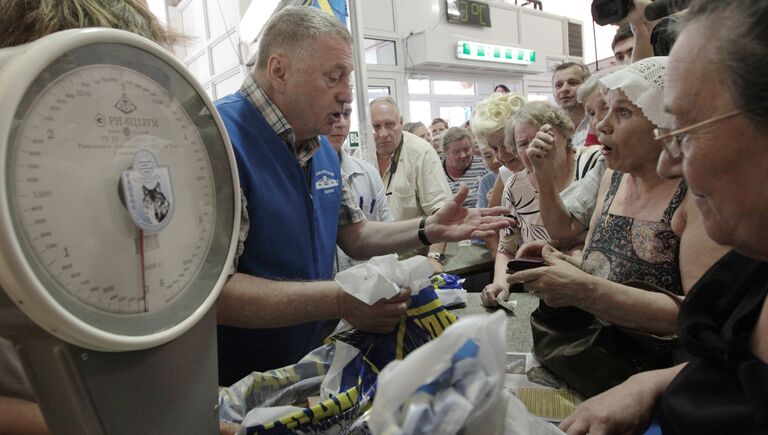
(119, 220)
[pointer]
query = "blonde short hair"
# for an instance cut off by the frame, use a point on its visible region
(491, 114)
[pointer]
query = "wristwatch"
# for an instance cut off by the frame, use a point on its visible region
(437, 256)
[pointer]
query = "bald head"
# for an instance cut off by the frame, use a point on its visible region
(387, 125)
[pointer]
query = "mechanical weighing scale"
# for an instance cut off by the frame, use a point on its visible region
(118, 225)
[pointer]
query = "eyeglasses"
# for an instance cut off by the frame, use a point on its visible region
(672, 139)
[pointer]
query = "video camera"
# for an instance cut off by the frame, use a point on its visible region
(614, 11)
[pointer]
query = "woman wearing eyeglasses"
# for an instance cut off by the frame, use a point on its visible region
(632, 235)
(717, 98)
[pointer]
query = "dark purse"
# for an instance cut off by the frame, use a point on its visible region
(592, 355)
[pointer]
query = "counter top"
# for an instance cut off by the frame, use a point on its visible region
(463, 258)
(518, 324)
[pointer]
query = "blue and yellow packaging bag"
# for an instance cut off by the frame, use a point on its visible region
(426, 319)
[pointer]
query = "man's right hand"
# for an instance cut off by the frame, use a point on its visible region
(379, 318)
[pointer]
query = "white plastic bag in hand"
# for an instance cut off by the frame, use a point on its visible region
(434, 381)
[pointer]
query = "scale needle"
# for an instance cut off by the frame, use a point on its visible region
(143, 278)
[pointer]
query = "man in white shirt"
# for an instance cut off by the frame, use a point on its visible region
(411, 170)
(363, 180)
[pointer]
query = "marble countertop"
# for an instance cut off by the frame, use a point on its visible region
(518, 323)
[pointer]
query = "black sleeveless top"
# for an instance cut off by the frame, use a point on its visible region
(724, 388)
(622, 248)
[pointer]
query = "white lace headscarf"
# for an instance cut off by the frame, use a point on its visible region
(643, 83)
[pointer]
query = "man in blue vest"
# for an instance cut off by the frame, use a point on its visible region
(271, 311)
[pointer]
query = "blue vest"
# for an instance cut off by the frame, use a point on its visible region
(294, 215)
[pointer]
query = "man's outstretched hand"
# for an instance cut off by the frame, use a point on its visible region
(454, 222)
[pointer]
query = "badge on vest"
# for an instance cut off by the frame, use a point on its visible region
(325, 180)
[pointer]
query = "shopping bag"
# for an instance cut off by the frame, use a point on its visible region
(453, 384)
(342, 374)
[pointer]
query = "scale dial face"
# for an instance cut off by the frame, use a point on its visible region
(65, 191)
(79, 127)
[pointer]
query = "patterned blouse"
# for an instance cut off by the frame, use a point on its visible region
(623, 248)
(522, 200)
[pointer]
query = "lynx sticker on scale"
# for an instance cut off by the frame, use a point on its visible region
(120, 209)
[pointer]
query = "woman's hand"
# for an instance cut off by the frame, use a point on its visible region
(624, 409)
(531, 249)
(560, 284)
(228, 428)
(491, 292)
(541, 152)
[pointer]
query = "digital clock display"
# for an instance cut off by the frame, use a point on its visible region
(468, 12)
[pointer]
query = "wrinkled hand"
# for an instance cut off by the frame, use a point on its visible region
(541, 152)
(491, 292)
(379, 318)
(624, 409)
(453, 222)
(560, 284)
(531, 249)
(228, 428)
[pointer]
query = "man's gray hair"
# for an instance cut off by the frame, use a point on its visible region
(590, 84)
(737, 35)
(385, 99)
(294, 29)
(454, 134)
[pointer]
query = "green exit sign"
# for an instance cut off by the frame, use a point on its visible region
(354, 139)
(494, 53)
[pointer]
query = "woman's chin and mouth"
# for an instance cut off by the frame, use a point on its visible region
(514, 165)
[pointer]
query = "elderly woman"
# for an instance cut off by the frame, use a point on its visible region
(716, 97)
(488, 121)
(460, 165)
(631, 236)
(566, 214)
(534, 124)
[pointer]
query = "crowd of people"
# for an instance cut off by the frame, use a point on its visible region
(639, 190)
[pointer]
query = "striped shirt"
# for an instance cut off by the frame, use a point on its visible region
(471, 177)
